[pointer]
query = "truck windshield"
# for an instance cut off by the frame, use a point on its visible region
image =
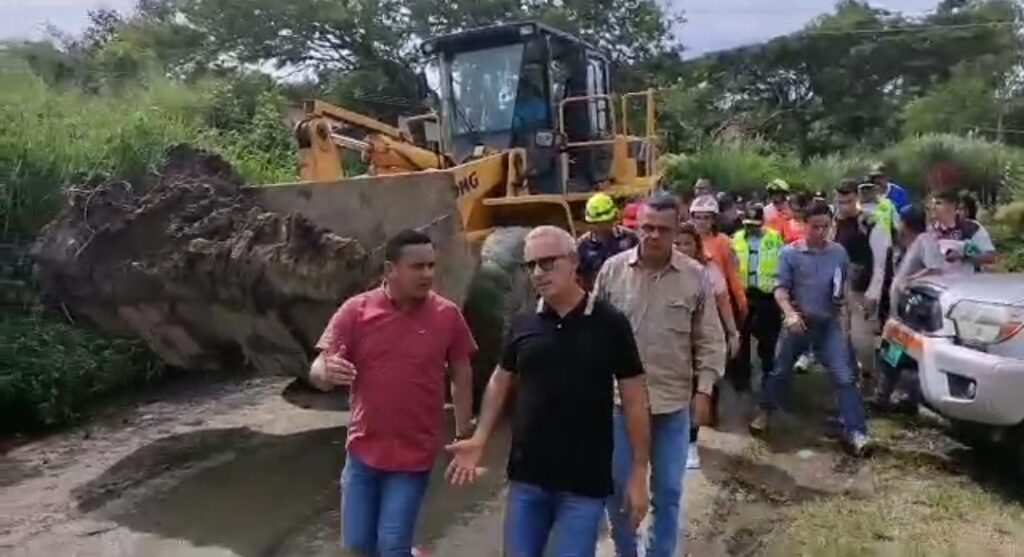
(484, 87)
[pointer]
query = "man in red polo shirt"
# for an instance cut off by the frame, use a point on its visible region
(393, 346)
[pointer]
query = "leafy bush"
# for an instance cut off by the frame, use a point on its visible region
(51, 136)
(824, 173)
(992, 170)
(746, 166)
(1006, 226)
(735, 166)
(50, 371)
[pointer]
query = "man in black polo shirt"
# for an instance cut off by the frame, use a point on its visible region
(565, 359)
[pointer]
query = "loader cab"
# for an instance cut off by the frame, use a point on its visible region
(503, 86)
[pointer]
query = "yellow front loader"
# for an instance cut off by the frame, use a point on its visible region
(525, 129)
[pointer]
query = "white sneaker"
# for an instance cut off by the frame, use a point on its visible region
(860, 445)
(804, 363)
(693, 458)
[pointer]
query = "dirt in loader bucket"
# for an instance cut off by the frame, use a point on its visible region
(214, 275)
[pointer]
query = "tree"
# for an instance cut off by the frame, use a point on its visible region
(844, 80)
(364, 52)
(966, 102)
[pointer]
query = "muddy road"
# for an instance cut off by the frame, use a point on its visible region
(244, 468)
(249, 468)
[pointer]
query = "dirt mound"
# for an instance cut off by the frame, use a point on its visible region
(195, 267)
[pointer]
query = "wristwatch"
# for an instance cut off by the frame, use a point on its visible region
(463, 435)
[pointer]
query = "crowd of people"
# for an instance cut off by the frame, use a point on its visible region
(613, 372)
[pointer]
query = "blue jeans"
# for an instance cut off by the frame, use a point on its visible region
(830, 345)
(670, 441)
(379, 508)
(534, 514)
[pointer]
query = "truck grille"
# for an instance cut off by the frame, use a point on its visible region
(920, 310)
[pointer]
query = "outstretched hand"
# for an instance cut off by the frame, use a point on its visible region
(464, 468)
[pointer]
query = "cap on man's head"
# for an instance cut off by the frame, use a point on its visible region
(754, 215)
(877, 171)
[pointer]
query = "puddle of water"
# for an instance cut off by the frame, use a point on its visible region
(261, 490)
(259, 495)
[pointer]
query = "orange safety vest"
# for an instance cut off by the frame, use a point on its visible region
(791, 229)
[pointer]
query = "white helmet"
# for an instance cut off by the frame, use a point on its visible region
(704, 204)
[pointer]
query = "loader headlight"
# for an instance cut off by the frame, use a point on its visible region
(982, 324)
(544, 139)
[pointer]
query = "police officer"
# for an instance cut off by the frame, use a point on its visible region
(757, 251)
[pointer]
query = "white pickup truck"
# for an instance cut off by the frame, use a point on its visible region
(964, 338)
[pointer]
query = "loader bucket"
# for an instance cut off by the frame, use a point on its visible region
(372, 208)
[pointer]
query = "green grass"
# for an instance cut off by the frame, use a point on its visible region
(910, 514)
(921, 502)
(52, 371)
(54, 136)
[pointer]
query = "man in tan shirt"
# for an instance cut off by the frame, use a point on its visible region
(667, 298)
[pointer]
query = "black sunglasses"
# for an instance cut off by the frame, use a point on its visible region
(545, 263)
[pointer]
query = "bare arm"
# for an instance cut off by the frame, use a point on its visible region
(708, 341)
(466, 454)
(494, 403)
(633, 392)
(985, 258)
(983, 241)
(785, 284)
(462, 394)
(725, 312)
(317, 372)
(782, 297)
(735, 284)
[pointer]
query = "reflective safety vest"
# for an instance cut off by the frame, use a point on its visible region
(885, 215)
(767, 258)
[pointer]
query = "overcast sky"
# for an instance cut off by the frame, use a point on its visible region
(711, 24)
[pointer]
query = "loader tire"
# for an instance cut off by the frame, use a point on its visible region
(500, 289)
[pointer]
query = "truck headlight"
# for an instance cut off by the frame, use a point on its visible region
(981, 323)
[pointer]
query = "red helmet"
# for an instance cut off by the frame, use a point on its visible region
(629, 214)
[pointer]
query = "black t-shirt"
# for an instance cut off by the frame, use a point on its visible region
(567, 367)
(854, 235)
